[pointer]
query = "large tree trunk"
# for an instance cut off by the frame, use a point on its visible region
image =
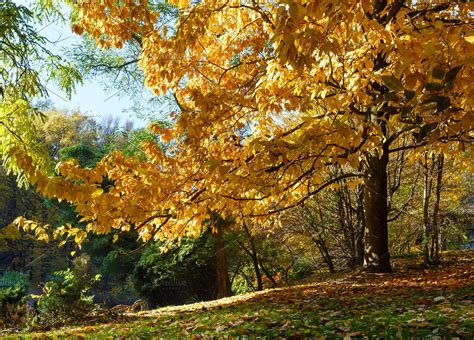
(376, 255)
(223, 283)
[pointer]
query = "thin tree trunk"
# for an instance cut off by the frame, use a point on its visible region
(321, 242)
(346, 222)
(426, 235)
(269, 275)
(249, 282)
(427, 185)
(254, 257)
(435, 225)
(376, 256)
(326, 256)
(257, 273)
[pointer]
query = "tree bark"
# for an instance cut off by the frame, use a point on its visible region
(376, 255)
(254, 255)
(427, 185)
(435, 223)
(223, 282)
(268, 275)
(320, 240)
(326, 256)
(360, 226)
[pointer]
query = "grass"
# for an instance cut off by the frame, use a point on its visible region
(408, 303)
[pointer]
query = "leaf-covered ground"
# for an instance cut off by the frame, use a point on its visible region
(435, 302)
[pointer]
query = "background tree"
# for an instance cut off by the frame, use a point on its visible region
(26, 66)
(62, 129)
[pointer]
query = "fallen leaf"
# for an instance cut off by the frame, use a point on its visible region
(250, 318)
(423, 301)
(220, 328)
(418, 323)
(236, 323)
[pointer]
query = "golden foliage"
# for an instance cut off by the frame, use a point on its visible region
(270, 94)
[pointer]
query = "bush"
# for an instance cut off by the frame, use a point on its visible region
(301, 269)
(186, 273)
(13, 298)
(122, 293)
(65, 298)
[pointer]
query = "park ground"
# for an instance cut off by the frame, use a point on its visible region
(433, 303)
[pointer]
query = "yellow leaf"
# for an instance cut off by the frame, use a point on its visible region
(439, 24)
(97, 193)
(85, 218)
(470, 39)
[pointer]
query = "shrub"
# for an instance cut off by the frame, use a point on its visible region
(186, 273)
(13, 307)
(302, 269)
(65, 298)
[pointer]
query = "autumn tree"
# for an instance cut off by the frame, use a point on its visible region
(59, 129)
(270, 94)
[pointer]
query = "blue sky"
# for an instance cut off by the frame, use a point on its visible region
(91, 98)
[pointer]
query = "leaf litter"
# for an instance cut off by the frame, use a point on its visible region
(409, 302)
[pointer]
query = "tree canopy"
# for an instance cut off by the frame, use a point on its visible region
(270, 96)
